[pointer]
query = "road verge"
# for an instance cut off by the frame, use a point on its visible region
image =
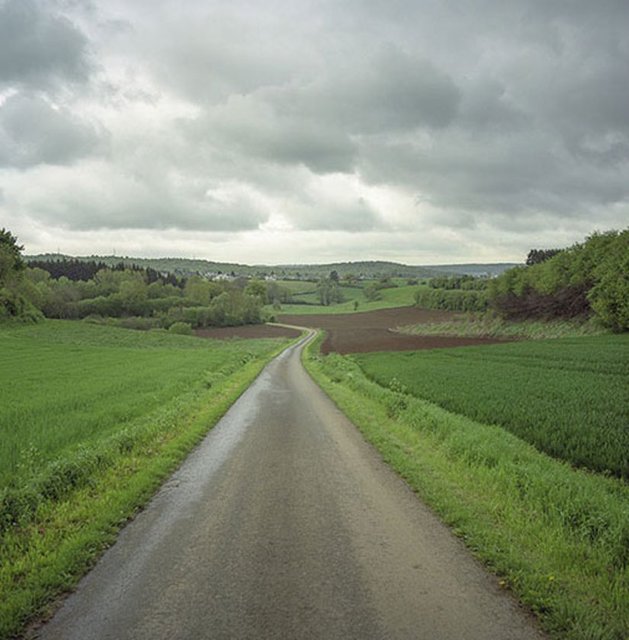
(44, 554)
(556, 536)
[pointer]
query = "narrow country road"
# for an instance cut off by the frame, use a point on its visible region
(284, 524)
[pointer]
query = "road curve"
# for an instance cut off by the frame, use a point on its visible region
(284, 524)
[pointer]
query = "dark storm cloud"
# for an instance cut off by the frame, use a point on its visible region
(254, 129)
(388, 91)
(212, 51)
(32, 132)
(314, 123)
(39, 48)
(321, 151)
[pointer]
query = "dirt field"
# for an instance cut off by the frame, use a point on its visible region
(371, 331)
(355, 332)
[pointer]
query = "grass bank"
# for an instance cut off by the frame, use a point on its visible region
(95, 419)
(557, 536)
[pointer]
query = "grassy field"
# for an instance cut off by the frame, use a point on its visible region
(395, 297)
(92, 418)
(487, 325)
(297, 287)
(557, 536)
(568, 397)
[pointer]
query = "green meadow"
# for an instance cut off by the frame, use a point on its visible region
(354, 300)
(92, 419)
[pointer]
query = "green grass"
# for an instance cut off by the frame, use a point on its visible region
(568, 397)
(297, 286)
(391, 298)
(486, 325)
(63, 385)
(558, 537)
(92, 419)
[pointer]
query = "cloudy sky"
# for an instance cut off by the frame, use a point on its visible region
(281, 131)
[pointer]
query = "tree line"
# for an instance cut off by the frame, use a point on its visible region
(133, 296)
(75, 270)
(589, 279)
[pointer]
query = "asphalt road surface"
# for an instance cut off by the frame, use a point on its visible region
(283, 523)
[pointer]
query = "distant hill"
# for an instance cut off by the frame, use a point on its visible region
(365, 269)
(473, 269)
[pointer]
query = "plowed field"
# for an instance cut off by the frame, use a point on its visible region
(372, 330)
(356, 332)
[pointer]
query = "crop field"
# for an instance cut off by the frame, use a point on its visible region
(556, 535)
(68, 384)
(567, 397)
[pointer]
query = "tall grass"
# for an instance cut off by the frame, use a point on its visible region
(488, 325)
(568, 397)
(557, 536)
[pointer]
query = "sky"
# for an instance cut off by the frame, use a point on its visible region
(294, 131)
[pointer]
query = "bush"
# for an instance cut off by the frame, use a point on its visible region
(14, 306)
(451, 299)
(142, 324)
(458, 282)
(181, 328)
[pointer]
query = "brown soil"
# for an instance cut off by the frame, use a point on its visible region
(372, 330)
(247, 331)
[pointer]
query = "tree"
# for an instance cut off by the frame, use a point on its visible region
(13, 301)
(257, 289)
(11, 262)
(372, 291)
(200, 290)
(329, 291)
(610, 295)
(537, 256)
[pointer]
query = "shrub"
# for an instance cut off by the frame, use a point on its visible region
(181, 328)
(451, 299)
